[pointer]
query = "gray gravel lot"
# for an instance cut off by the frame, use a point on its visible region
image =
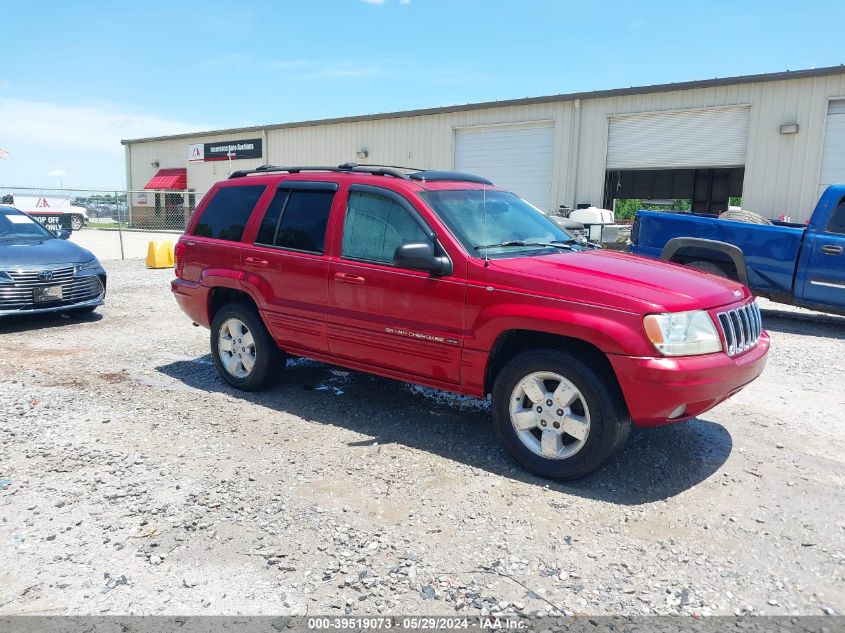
(138, 483)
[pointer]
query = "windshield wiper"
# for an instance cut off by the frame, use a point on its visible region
(554, 244)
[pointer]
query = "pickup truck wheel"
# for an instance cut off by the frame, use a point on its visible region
(245, 354)
(556, 416)
(709, 267)
(76, 222)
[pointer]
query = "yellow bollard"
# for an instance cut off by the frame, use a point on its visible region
(160, 255)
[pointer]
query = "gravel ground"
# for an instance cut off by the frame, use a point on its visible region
(132, 481)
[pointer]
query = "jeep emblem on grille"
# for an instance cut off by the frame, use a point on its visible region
(45, 275)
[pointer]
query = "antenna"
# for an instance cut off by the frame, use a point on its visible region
(484, 206)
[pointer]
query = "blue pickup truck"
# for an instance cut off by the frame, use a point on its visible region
(797, 264)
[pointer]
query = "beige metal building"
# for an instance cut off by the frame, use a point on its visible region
(775, 140)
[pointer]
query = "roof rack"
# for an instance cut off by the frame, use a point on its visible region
(433, 176)
(422, 175)
(375, 170)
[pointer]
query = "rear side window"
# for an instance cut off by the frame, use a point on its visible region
(375, 225)
(227, 213)
(297, 220)
(837, 219)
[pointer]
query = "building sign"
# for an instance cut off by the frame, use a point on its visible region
(142, 199)
(226, 150)
(196, 152)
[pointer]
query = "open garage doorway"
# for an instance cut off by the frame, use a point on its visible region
(705, 190)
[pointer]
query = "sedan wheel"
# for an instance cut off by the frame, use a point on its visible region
(550, 415)
(236, 348)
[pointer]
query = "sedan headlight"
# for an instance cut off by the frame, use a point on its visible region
(683, 333)
(89, 265)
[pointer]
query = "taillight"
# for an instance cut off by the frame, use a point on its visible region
(179, 257)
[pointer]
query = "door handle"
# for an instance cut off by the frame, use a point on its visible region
(256, 261)
(346, 278)
(832, 250)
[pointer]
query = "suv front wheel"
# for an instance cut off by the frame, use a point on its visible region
(557, 416)
(245, 354)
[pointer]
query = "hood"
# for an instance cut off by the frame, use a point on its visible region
(35, 253)
(623, 281)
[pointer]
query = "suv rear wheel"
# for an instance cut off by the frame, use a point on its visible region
(245, 354)
(556, 416)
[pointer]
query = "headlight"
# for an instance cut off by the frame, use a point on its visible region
(90, 265)
(683, 333)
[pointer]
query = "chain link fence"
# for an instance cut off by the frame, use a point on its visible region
(110, 224)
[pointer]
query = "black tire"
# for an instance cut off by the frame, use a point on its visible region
(610, 422)
(709, 267)
(76, 222)
(745, 216)
(269, 359)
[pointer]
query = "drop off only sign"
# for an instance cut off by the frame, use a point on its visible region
(226, 150)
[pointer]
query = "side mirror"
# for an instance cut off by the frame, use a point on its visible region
(62, 234)
(420, 256)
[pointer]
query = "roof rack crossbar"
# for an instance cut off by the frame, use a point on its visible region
(434, 176)
(353, 165)
(376, 170)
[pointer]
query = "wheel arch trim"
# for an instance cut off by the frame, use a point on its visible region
(677, 244)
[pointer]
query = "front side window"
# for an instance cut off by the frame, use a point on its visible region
(837, 219)
(228, 212)
(297, 220)
(375, 226)
(491, 223)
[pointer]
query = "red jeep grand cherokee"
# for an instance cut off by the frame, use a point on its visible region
(441, 279)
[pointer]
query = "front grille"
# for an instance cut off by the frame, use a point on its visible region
(18, 295)
(741, 328)
(29, 278)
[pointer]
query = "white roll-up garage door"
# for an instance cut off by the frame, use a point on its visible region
(833, 153)
(705, 137)
(517, 158)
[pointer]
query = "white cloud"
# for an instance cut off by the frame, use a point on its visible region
(57, 173)
(39, 132)
(344, 69)
(284, 64)
(98, 128)
(323, 70)
(373, 1)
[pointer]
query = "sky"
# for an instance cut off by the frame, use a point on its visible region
(77, 77)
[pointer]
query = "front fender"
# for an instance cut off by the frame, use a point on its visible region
(611, 330)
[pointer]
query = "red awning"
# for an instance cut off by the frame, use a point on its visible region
(176, 178)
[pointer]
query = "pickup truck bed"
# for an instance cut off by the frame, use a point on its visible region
(789, 263)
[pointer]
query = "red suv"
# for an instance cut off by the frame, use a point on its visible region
(441, 279)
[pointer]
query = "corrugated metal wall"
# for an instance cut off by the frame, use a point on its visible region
(781, 173)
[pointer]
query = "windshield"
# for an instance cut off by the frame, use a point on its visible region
(496, 224)
(15, 226)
